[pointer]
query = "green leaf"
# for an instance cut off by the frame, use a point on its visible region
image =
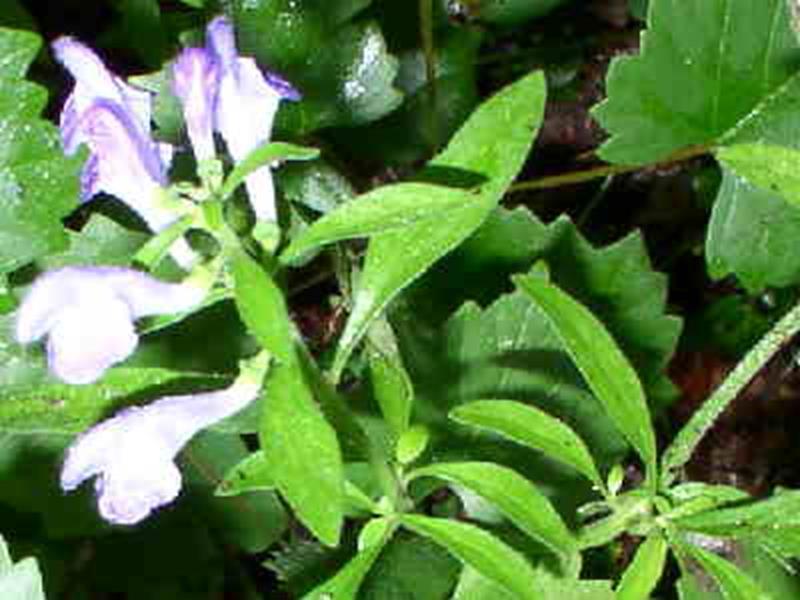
(617, 283)
(61, 409)
(349, 579)
(534, 428)
(392, 389)
(341, 67)
(476, 148)
(411, 444)
(298, 443)
(480, 550)
(249, 474)
(766, 166)
(38, 185)
(20, 581)
(102, 242)
(514, 496)
(251, 521)
(734, 583)
(266, 154)
(599, 359)
(644, 571)
(648, 112)
(473, 586)
(383, 209)
(759, 518)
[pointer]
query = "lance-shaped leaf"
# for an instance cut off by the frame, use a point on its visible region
(534, 428)
(734, 583)
(605, 368)
(482, 551)
(396, 258)
(698, 45)
(301, 447)
(642, 575)
(383, 209)
(513, 495)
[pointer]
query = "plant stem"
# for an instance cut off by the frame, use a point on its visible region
(682, 447)
(604, 171)
(429, 50)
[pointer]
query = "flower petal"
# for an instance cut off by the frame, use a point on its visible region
(195, 77)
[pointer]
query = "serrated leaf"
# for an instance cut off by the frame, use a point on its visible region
(514, 496)
(534, 428)
(616, 282)
(644, 571)
(395, 259)
(38, 184)
(102, 242)
(383, 209)
(301, 447)
(698, 45)
(480, 550)
(60, 409)
(602, 363)
(341, 67)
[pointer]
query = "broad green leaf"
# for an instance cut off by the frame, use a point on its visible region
(532, 427)
(298, 443)
(251, 521)
(734, 583)
(473, 586)
(702, 46)
(513, 495)
(250, 474)
(480, 550)
(340, 65)
(644, 571)
(383, 209)
(608, 373)
(265, 154)
(395, 259)
(102, 242)
(616, 282)
(61, 409)
(38, 185)
(774, 168)
(411, 568)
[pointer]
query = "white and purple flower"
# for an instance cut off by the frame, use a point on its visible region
(113, 119)
(222, 91)
(88, 314)
(133, 454)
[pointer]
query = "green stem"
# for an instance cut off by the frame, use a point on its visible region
(682, 447)
(426, 32)
(604, 171)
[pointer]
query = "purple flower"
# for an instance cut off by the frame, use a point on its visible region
(113, 120)
(224, 91)
(87, 314)
(195, 80)
(133, 454)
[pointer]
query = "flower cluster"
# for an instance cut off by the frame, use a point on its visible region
(87, 314)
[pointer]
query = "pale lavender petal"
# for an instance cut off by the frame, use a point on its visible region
(88, 314)
(93, 81)
(88, 339)
(220, 40)
(282, 87)
(195, 78)
(132, 454)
